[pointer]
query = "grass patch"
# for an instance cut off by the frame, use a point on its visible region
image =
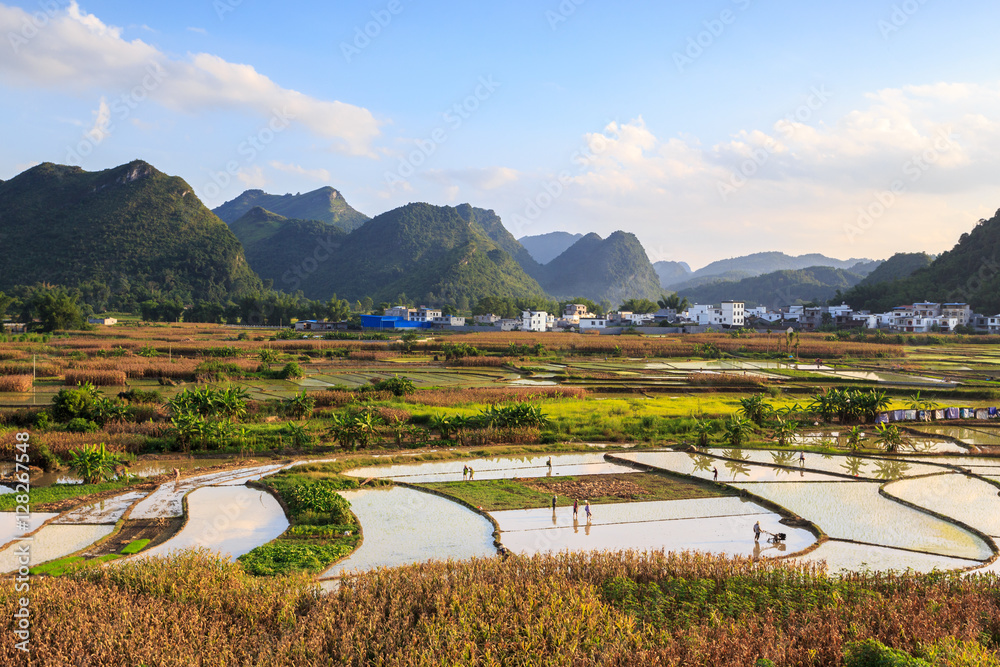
(134, 547)
(39, 496)
(509, 494)
(69, 565)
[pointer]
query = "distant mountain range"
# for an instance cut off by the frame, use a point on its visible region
(134, 227)
(546, 247)
(118, 229)
(325, 205)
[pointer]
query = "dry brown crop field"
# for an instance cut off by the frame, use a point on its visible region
(580, 609)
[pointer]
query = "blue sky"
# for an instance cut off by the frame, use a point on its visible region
(709, 129)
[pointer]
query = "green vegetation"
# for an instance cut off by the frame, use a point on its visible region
(125, 233)
(40, 496)
(779, 288)
(322, 529)
(134, 547)
(94, 463)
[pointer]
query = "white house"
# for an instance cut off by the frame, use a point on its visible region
(449, 321)
(398, 311)
(106, 321)
(588, 323)
(535, 320)
(510, 325)
(733, 313)
(574, 311)
(425, 314)
(488, 319)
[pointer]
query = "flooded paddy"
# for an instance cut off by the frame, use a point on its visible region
(54, 541)
(494, 468)
(967, 499)
(839, 439)
(856, 511)
(166, 500)
(229, 520)
(855, 466)
(717, 525)
(107, 511)
(976, 436)
(846, 557)
(700, 466)
(9, 528)
(402, 526)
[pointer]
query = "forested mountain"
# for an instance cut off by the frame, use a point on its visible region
(671, 272)
(900, 265)
(968, 273)
(428, 254)
(326, 205)
(130, 228)
(738, 268)
(546, 247)
(613, 269)
(777, 289)
(491, 225)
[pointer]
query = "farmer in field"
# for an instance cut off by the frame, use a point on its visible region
(576, 508)
(715, 474)
(586, 509)
(554, 503)
(756, 532)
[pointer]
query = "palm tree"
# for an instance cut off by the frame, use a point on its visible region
(704, 428)
(754, 408)
(854, 437)
(916, 402)
(784, 431)
(889, 437)
(737, 430)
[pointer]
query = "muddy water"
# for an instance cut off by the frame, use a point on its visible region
(54, 541)
(845, 557)
(403, 526)
(229, 520)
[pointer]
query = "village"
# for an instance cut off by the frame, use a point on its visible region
(923, 317)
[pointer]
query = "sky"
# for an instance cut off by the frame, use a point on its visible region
(709, 130)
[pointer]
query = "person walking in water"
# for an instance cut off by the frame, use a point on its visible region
(465, 471)
(802, 458)
(715, 474)
(576, 508)
(586, 509)
(756, 532)
(553, 502)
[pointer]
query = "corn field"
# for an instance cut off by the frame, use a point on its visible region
(569, 609)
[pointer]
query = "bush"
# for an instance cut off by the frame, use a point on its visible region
(291, 371)
(141, 396)
(319, 497)
(69, 404)
(81, 425)
(873, 653)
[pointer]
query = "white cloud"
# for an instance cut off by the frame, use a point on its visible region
(77, 52)
(200, 31)
(253, 177)
(100, 130)
(321, 175)
(487, 178)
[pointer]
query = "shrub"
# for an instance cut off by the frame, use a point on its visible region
(93, 462)
(81, 425)
(291, 371)
(72, 403)
(141, 396)
(320, 497)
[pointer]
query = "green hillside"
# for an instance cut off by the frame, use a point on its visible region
(900, 265)
(546, 247)
(492, 226)
(614, 269)
(326, 205)
(777, 289)
(285, 251)
(968, 273)
(759, 263)
(431, 254)
(126, 227)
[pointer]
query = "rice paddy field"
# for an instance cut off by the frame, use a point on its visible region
(280, 489)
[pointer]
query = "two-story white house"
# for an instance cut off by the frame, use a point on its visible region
(590, 323)
(535, 320)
